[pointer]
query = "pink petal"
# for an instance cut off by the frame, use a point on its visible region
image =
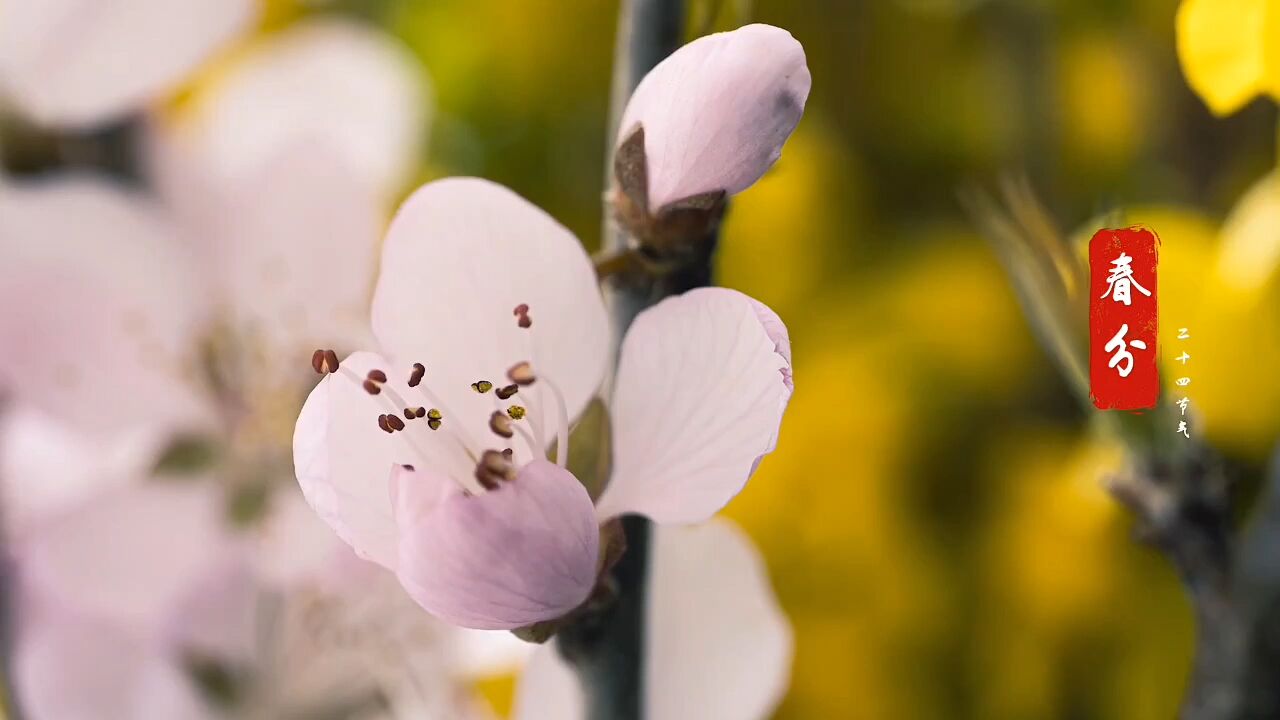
(702, 383)
(461, 254)
(83, 62)
(342, 85)
(130, 554)
(110, 307)
(344, 462)
(294, 243)
(35, 488)
(511, 557)
(69, 666)
(717, 111)
(294, 547)
(718, 645)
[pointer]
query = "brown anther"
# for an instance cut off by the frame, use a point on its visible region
(505, 392)
(500, 424)
(407, 467)
(521, 374)
(493, 468)
(382, 423)
(433, 423)
(395, 422)
(415, 377)
(482, 386)
(507, 453)
(411, 413)
(433, 414)
(324, 362)
(521, 312)
(377, 376)
(516, 412)
(371, 387)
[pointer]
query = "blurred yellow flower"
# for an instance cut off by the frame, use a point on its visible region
(1229, 50)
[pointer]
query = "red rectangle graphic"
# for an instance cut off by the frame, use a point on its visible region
(1123, 319)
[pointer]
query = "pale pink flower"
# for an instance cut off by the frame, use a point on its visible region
(717, 645)
(113, 603)
(79, 63)
(480, 292)
(716, 112)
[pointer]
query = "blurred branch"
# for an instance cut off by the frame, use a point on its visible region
(1233, 580)
(607, 648)
(1177, 491)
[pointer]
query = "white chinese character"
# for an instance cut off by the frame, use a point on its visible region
(1182, 405)
(1182, 381)
(1120, 279)
(1182, 334)
(1122, 354)
(1182, 428)
(1183, 358)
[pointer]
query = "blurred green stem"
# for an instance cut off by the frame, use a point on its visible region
(607, 650)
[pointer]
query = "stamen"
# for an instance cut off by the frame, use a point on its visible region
(505, 392)
(493, 468)
(373, 381)
(411, 413)
(382, 423)
(501, 425)
(521, 374)
(433, 414)
(395, 422)
(324, 362)
(562, 423)
(415, 377)
(482, 386)
(522, 315)
(433, 424)
(516, 412)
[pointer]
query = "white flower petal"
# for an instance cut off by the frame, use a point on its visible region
(548, 689)
(130, 554)
(702, 384)
(718, 644)
(329, 82)
(294, 243)
(344, 461)
(717, 111)
(72, 667)
(82, 62)
(34, 487)
(461, 254)
(101, 306)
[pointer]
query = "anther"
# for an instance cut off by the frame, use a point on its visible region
(433, 424)
(407, 467)
(411, 413)
(493, 468)
(395, 422)
(505, 392)
(521, 312)
(382, 423)
(516, 412)
(482, 386)
(500, 424)
(507, 453)
(324, 362)
(415, 377)
(434, 418)
(521, 374)
(373, 381)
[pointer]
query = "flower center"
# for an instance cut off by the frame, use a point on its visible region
(521, 406)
